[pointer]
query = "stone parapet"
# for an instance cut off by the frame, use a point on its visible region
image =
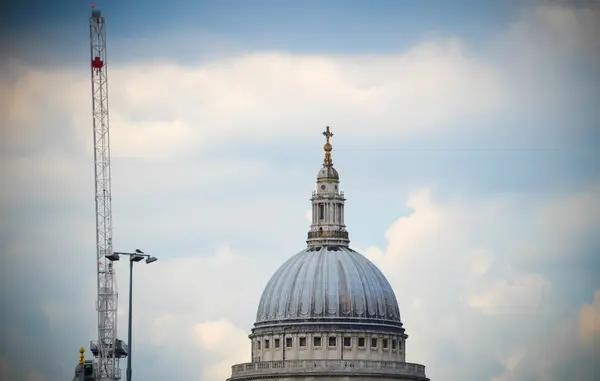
(329, 368)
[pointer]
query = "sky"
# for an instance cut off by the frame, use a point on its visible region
(465, 136)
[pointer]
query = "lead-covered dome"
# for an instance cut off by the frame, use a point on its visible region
(328, 173)
(328, 284)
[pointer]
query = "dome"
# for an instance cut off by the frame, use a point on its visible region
(328, 312)
(328, 172)
(328, 284)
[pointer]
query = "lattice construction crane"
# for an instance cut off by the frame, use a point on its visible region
(107, 349)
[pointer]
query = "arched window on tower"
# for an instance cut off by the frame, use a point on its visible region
(321, 211)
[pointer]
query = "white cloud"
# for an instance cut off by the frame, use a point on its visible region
(555, 353)
(213, 280)
(520, 295)
(479, 262)
(255, 96)
(511, 362)
(577, 213)
(589, 321)
(200, 307)
(41, 176)
(227, 342)
(446, 277)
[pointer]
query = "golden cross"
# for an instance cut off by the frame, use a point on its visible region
(327, 134)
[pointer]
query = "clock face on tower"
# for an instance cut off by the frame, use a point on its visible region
(322, 187)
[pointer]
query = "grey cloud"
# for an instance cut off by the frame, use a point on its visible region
(183, 200)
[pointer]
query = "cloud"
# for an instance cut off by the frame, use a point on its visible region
(589, 321)
(447, 274)
(196, 275)
(576, 218)
(545, 360)
(521, 295)
(569, 27)
(4, 369)
(249, 95)
(226, 341)
(198, 309)
(205, 178)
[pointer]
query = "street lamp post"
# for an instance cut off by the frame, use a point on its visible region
(136, 256)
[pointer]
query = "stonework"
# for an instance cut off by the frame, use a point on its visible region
(328, 312)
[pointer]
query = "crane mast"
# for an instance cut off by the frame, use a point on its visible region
(107, 349)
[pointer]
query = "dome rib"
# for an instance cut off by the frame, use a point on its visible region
(278, 295)
(364, 304)
(372, 280)
(389, 304)
(331, 291)
(344, 296)
(304, 296)
(318, 292)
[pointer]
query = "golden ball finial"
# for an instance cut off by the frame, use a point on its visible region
(81, 350)
(327, 147)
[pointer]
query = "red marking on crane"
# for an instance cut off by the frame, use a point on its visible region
(97, 63)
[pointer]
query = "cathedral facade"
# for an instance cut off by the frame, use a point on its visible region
(328, 312)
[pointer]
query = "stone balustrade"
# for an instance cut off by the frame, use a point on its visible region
(328, 234)
(326, 367)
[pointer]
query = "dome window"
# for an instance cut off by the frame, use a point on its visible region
(258, 345)
(394, 344)
(317, 341)
(361, 342)
(266, 343)
(332, 341)
(276, 343)
(384, 343)
(347, 342)
(288, 342)
(374, 342)
(303, 341)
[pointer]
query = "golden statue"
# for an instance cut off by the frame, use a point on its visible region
(81, 357)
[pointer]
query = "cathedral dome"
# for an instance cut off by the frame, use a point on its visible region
(328, 312)
(328, 284)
